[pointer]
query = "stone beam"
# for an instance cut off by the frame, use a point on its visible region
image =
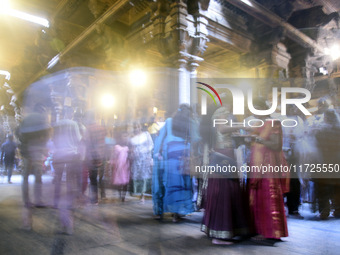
(228, 39)
(112, 14)
(268, 17)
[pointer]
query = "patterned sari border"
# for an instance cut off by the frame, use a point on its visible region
(223, 234)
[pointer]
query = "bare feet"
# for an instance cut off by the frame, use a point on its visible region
(258, 238)
(176, 218)
(221, 242)
(157, 217)
(142, 200)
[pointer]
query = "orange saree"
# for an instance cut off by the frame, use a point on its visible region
(267, 190)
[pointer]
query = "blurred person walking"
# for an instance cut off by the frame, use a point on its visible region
(82, 152)
(172, 184)
(8, 155)
(66, 139)
(141, 161)
(327, 189)
(224, 216)
(292, 152)
(33, 133)
(120, 163)
(267, 190)
(95, 145)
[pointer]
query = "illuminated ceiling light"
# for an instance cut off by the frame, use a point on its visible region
(323, 70)
(4, 6)
(335, 52)
(6, 9)
(107, 101)
(327, 51)
(155, 110)
(53, 62)
(247, 2)
(7, 74)
(138, 77)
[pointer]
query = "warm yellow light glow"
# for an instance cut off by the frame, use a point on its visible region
(138, 78)
(115, 117)
(155, 110)
(7, 74)
(245, 86)
(53, 62)
(247, 2)
(6, 9)
(335, 52)
(107, 101)
(4, 6)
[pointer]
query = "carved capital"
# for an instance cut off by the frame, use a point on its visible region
(97, 7)
(275, 56)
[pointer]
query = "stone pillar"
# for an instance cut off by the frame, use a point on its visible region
(193, 65)
(77, 88)
(182, 80)
(57, 98)
(333, 91)
(180, 44)
(268, 63)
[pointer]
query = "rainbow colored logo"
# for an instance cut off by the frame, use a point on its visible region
(209, 92)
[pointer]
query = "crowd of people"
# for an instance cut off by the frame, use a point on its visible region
(157, 158)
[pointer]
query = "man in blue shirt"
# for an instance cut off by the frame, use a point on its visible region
(8, 150)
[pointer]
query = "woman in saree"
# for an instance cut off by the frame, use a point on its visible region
(327, 189)
(141, 168)
(224, 216)
(267, 190)
(171, 184)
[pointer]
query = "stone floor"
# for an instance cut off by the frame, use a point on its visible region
(116, 228)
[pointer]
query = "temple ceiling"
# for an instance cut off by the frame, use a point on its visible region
(129, 34)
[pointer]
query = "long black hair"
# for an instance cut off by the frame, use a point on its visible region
(181, 121)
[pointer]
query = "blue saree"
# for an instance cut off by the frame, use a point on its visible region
(171, 189)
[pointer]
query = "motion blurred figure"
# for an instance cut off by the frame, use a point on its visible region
(141, 145)
(224, 216)
(95, 145)
(329, 142)
(33, 133)
(66, 138)
(172, 184)
(291, 136)
(8, 155)
(121, 164)
(267, 190)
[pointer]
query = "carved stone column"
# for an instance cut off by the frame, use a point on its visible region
(77, 92)
(193, 65)
(57, 98)
(333, 91)
(180, 43)
(270, 63)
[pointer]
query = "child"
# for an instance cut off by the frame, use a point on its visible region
(121, 165)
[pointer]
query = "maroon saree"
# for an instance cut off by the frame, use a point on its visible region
(267, 190)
